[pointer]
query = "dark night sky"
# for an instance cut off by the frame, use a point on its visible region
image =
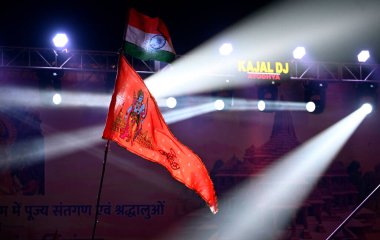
(95, 25)
(99, 25)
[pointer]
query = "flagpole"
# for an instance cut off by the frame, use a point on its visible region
(100, 189)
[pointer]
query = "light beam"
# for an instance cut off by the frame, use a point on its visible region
(250, 211)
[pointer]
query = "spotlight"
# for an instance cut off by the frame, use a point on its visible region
(57, 99)
(171, 102)
(60, 40)
(299, 52)
(366, 93)
(367, 108)
(314, 96)
(261, 105)
(226, 94)
(219, 104)
(225, 49)
(310, 106)
(50, 85)
(267, 92)
(363, 56)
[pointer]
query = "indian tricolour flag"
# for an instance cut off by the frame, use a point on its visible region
(147, 38)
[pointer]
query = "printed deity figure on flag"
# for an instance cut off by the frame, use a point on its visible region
(135, 122)
(134, 117)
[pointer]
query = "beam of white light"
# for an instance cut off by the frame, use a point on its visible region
(367, 108)
(59, 144)
(270, 34)
(183, 101)
(246, 105)
(34, 97)
(219, 104)
(240, 104)
(84, 99)
(188, 112)
(20, 96)
(201, 105)
(207, 104)
(290, 181)
(190, 106)
(249, 212)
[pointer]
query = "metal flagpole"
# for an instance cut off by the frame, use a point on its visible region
(100, 189)
(353, 212)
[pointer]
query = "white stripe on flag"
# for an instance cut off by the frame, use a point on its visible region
(142, 39)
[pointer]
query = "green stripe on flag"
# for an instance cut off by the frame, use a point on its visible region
(143, 54)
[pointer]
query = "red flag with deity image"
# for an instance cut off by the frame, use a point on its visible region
(135, 122)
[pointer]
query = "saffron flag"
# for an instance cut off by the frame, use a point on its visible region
(135, 122)
(147, 38)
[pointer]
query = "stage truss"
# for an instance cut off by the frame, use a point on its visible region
(103, 61)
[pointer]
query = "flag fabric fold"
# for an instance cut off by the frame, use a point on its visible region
(135, 122)
(147, 38)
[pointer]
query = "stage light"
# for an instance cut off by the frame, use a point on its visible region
(225, 49)
(171, 102)
(299, 52)
(226, 94)
(363, 56)
(57, 99)
(261, 105)
(267, 92)
(50, 85)
(367, 108)
(60, 40)
(310, 106)
(219, 104)
(366, 92)
(315, 92)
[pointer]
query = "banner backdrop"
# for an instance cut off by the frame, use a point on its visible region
(51, 161)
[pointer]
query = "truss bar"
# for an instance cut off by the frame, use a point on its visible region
(370, 73)
(63, 64)
(42, 57)
(103, 61)
(13, 59)
(48, 58)
(327, 71)
(352, 74)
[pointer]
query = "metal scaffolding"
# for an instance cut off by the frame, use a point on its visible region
(101, 61)
(78, 60)
(327, 71)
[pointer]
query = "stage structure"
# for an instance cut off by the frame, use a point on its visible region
(22, 66)
(106, 61)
